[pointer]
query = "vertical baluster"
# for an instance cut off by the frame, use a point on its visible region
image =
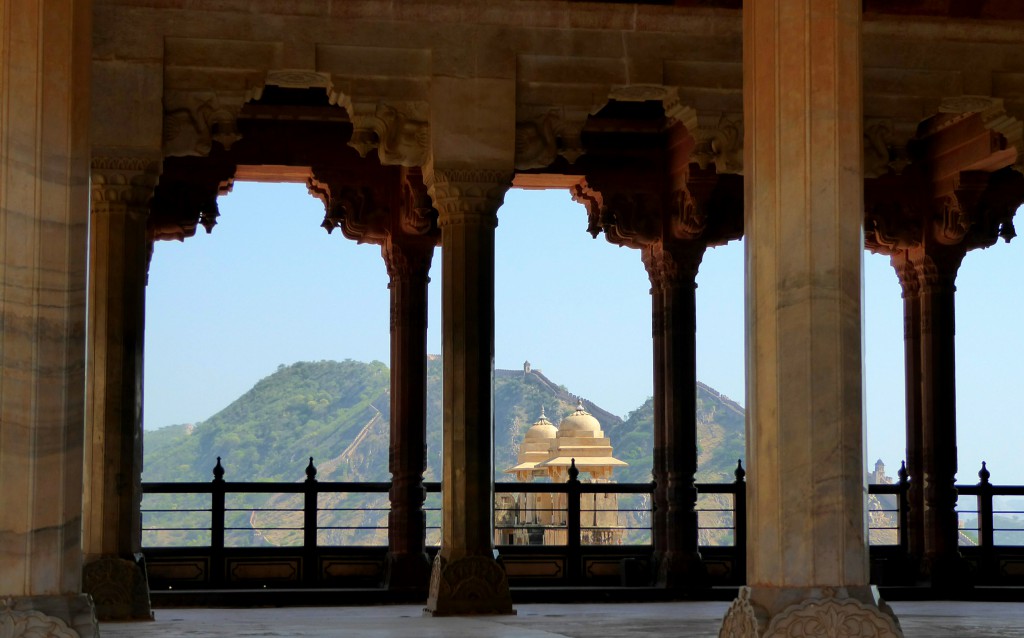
(217, 490)
(311, 567)
(986, 524)
(739, 524)
(903, 520)
(572, 513)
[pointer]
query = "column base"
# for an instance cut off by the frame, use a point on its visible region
(682, 572)
(468, 586)
(119, 588)
(780, 612)
(71, 616)
(408, 572)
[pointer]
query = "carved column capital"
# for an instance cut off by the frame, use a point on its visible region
(464, 196)
(127, 182)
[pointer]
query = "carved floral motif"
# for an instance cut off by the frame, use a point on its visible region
(31, 624)
(742, 619)
(833, 618)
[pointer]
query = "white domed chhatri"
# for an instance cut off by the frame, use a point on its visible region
(580, 423)
(542, 429)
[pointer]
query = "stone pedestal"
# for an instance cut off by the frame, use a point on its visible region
(807, 556)
(466, 578)
(44, 208)
(118, 256)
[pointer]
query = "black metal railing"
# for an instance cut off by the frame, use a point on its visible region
(219, 520)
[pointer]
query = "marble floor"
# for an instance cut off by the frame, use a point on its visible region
(625, 620)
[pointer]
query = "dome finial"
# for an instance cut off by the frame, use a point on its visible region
(542, 415)
(579, 405)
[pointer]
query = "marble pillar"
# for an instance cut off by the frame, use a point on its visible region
(807, 553)
(44, 208)
(114, 573)
(408, 265)
(466, 578)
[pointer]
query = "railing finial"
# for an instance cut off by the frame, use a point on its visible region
(574, 473)
(984, 474)
(218, 472)
(311, 471)
(902, 473)
(740, 473)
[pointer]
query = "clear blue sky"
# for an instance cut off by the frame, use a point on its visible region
(271, 287)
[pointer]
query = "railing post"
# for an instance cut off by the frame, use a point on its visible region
(310, 567)
(903, 514)
(217, 567)
(739, 523)
(572, 524)
(986, 525)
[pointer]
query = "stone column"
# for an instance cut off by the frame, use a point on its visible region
(44, 208)
(676, 263)
(114, 573)
(408, 265)
(908, 277)
(659, 524)
(807, 554)
(466, 578)
(941, 560)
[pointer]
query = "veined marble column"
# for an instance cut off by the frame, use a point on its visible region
(466, 578)
(114, 573)
(44, 207)
(807, 553)
(676, 264)
(408, 264)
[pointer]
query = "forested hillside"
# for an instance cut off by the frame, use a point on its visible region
(338, 413)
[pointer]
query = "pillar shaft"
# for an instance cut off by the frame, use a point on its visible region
(466, 578)
(118, 260)
(675, 390)
(941, 557)
(408, 266)
(908, 278)
(44, 207)
(807, 554)
(659, 525)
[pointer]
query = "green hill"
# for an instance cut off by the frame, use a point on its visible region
(338, 413)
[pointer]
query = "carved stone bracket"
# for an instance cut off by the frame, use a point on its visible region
(883, 151)
(468, 585)
(399, 131)
(719, 141)
(542, 134)
(993, 115)
(194, 121)
(631, 219)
